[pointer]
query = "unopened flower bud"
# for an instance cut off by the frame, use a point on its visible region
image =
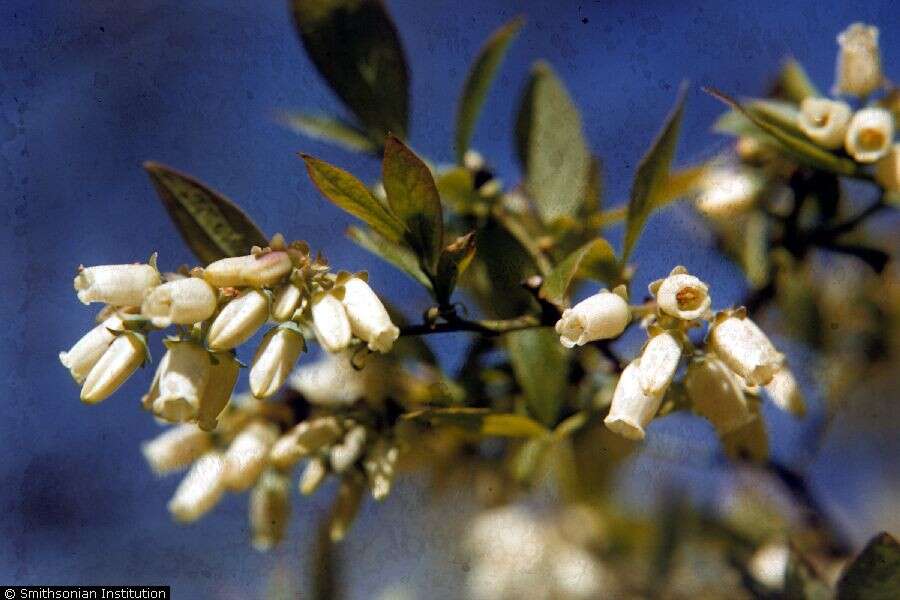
(785, 393)
(331, 323)
(631, 409)
(181, 302)
(658, 363)
(858, 62)
(120, 360)
(601, 316)
(745, 349)
(349, 450)
(313, 476)
(682, 295)
(200, 490)
(329, 381)
(345, 507)
(726, 193)
(824, 121)
(248, 454)
(238, 321)
(118, 285)
(88, 350)
(304, 439)
(182, 377)
(369, 320)
(279, 350)
(270, 507)
(261, 270)
(717, 394)
(870, 134)
(887, 170)
(223, 375)
(287, 299)
(176, 448)
(380, 464)
(769, 565)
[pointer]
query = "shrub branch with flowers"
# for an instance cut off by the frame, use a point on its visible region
(541, 373)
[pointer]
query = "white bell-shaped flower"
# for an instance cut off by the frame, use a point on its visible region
(601, 316)
(248, 455)
(369, 320)
(658, 363)
(304, 439)
(887, 170)
(331, 324)
(858, 71)
(176, 448)
(259, 270)
(347, 452)
(200, 490)
(118, 285)
(88, 350)
(870, 134)
(330, 381)
(274, 360)
(725, 193)
(180, 302)
(785, 392)
(287, 300)
(745, 349)
(717, 394)
(182, 377)
(313, 476)
(632, 409)
(121, 359)
(682, 295)
(824, 121)
(222, 378)
(238, 321)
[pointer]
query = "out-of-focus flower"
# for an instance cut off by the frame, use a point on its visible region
(601, 316)
(887, 170)
(118, 285)
(632, 409)
(859, 61)
(344, 454)
(238, 321)
(180, 382)
(681, 295)
(201, 488)
(824, 121)
(260, 270)
(304, 439)
(223, 375)
(270, 508)
(769, 565)
(180, 302)
(725, 193)
(716, 394)
(870, 134)
(745, 348)
(331, 323)
(658, 363)
(176, 448)
(279, 350)
(330, 381)
(120, 360)
(369, 320)
(785, 392)
(381, 464)
(287, 300)
(346, 506)
(88, 350)
(313, 476)
(248, 455)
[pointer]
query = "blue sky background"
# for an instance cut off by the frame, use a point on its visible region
(90, 89)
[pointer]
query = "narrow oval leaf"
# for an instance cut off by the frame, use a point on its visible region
(651, 176)
(355, 47)
(795, 83)
(395, 254)
(551, 146)
(478, 82)
(413, 197)
(540, 364)
(213, 226)
(875, 574)
(596, 258)
(800, 149)
(480, 421)
(350, 194)
(329, 129)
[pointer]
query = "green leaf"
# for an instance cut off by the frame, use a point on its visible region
(413, 197)
(780, 114)
(351, 195)
(551, 146)
(795, 83)
(457, 189)
(397, 255)
(355, 47)
(875, 574)
(478, 82)
(329, 129)
(594, 258)
(213, 226)
(541, 367)
(796, 147)
(593, 191)
(651, 176)
(454, 260)
(480, 421)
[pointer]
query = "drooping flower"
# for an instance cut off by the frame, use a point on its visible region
(785, 393)
(369, 320)
(279, 350)
(222, 378)
(726, 193)
(313, 476)
(682, 295)
(658, 363)
(601, 316)
(120, 360)
(180, 302)
(304, 439)
(248, 455)
(716, 394)
(238, 321)
(870, 134)
(858, 71)
(380, 464)
(176, 448)
(180, 382)
(887, 170)
(824, 121)
(331, 324)
(344, 454)
(330, 381)
(259, 270)
(118, 285)
(200, 490)
(632, 409)
(745, 348)
(270, 507)
(88, 350)
(287, 300)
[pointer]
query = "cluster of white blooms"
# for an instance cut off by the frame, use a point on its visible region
(518, 555)
(216, 309)
(735, 361)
